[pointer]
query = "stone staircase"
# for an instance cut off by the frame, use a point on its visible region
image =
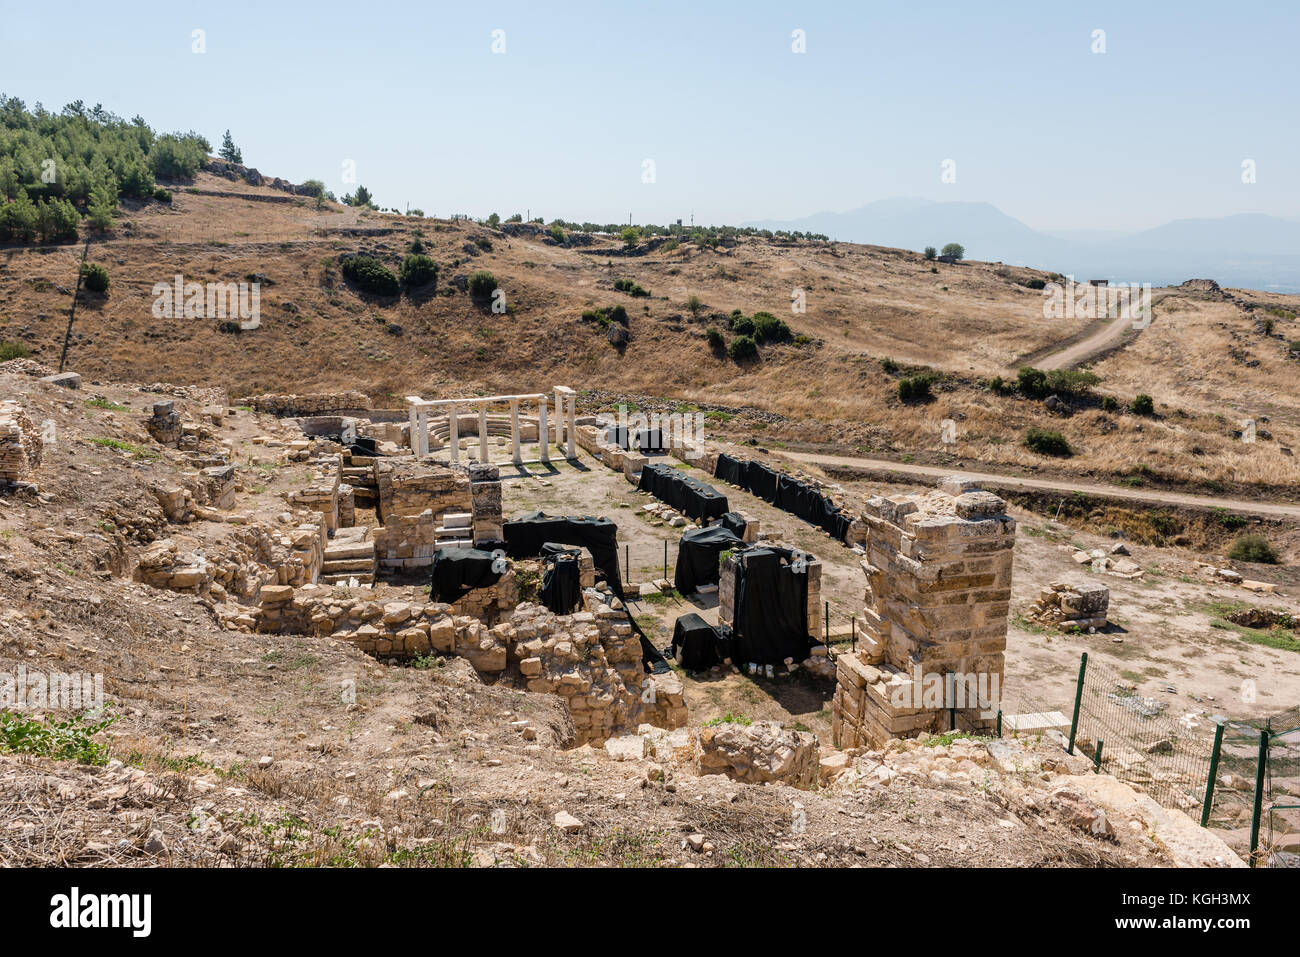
(456, 530)
(350, 554)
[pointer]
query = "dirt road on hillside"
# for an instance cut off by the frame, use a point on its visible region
(1109, 336)
(1146, 496)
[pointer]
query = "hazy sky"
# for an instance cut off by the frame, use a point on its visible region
(738, 126)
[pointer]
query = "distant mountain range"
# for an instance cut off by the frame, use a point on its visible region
(1251, 250)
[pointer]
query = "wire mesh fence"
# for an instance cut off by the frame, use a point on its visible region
(1140, 741)
(1256, 796)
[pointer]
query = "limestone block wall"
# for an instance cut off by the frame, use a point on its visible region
(938, 569)
(485, 501)
(20, 443)
(165, 424)
(407, 541)
(406, 487)
(323, 494)
(592, 658)
(318, 403)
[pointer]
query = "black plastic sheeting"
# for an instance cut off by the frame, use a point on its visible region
(770, 620)
(697, 557)
(786, 493)
(729, 469)
(527, 535)
(693, 498)
(735, 523)
(697, 645)
(458, 571)
(561, 584)
(815, 508)
(645, 440)
(760, 480)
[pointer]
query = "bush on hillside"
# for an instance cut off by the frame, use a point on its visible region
(370, 275)
(482, 284)
(768, 328)
(418, 271)
(1143, 404)
(716, 342)
(1047, 442)
(95, 277)
(743, 348)
(1253, 548)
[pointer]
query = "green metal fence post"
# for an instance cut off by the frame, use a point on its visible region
(1260, 767)
(999, 722)
(826, 620)
(1214, 773)
(1096, 757)
(1078, 698)
(665, 560)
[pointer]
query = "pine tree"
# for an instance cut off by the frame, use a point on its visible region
(229, 151)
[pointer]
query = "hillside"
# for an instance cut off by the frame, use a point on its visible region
(1209, 359)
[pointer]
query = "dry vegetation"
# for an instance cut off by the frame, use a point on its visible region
(1208, 362)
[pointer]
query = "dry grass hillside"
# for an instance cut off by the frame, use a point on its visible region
(1208, 361)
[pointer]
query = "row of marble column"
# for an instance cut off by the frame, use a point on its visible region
(566, 404)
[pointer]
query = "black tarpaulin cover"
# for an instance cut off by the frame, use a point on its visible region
(457, 571)
(729, 469)
(735, 523)
(697, 557)
(770, 620)
(807, 502)
(760, 480)
(697, 645)
(695, 499)
(561, 584)
(527, 535)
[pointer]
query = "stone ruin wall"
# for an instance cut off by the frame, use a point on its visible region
(938, 568)
(20, 443)
(591, 658)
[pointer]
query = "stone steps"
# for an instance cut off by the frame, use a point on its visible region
(349, 550)
(361, 578)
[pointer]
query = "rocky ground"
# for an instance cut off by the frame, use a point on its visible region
(232, 748)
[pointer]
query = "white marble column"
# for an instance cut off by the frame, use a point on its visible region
(543, 430)
(413, 417)
(482, 433)
(571, 427)
(453, 432)
(516, 455)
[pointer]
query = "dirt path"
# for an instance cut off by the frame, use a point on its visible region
(1148, 496)
(1109, 336)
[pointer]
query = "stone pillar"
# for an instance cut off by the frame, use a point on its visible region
(543, 430)
(453, 432)
(516, 455)
(571, 427)
(482, 433)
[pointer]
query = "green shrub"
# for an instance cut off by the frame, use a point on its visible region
(742, 325)
(930, 252)
(916, 388)
(716, 342)
(558, 234)
(370, 275)
(13, 350)
(1035, 284)
(1142, 405)
(72, 739)
(1109, 403)
(743, 348)
(889, 365)
(482, 284)
(162, 195)
(1046, 442)
(1253, 548)
(631, 288)
(617, 314)
(418, 271)
(95, 277)
(768, 328)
